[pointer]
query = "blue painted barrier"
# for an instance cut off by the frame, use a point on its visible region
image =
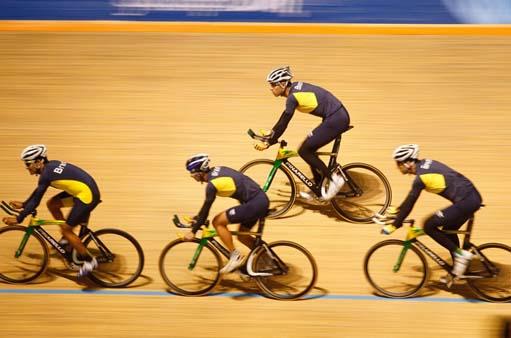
(296, 11)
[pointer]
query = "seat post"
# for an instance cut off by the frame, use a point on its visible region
(335, 151)
(260, 228)
(466, 239)
(83, 229)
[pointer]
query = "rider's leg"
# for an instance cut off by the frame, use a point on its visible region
(331, 128)
(247, 214)
(220, 223)
(55, 204)
(452, 218)
(80, 213)
(247, 240)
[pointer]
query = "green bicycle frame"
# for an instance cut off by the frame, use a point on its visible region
(34, 222)
(413, 233)
(207, 233)
(207, 236)
(271, 175)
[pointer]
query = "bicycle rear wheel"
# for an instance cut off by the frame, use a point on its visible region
(291, 275)
(176, 270)
(120, 257)
(496, 284)
(379, 264)
(366, 192)
(282, 189)
(33, 259)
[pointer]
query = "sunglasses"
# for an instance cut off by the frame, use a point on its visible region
(28, 163)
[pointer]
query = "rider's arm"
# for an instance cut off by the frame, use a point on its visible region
(406, 207)
(33, 201)
(281, 125)
(204, 211)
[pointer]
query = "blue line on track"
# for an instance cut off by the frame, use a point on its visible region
(228, 295)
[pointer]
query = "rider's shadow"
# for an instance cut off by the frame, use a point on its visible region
(434, 286)
(303, 205)
(249, 289)
(460, 289)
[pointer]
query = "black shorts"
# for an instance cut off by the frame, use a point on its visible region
(247, 214)
(457, 214)
(80, 211)
(329, 129)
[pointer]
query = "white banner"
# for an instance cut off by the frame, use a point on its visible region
(208, 6)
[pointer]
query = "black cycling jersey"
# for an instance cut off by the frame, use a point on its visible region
(226, 182)
(437, 178)
(310, 99)
(64, 176)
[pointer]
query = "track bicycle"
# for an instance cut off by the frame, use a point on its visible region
(24, 254)
(366, 190)
(398, 269)
(282, 270)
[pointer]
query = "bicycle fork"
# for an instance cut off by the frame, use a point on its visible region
(401, 257)
(24, 241)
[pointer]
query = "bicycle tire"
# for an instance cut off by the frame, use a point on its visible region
(378, 269)
(282, 190)
(121, 268)
(375, 198)
(285, 285)
(33, 260)
(493, 289)
(174, 268)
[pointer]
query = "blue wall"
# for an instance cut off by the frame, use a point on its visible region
(306, 11)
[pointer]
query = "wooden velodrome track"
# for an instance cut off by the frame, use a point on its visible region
(131, 107)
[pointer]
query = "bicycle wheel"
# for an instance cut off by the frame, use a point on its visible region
(366, 192)
(33, 259)
(291, 275)
(120, 257)
(496, 286)
(379, 264)
(176, 270)
(282, 189)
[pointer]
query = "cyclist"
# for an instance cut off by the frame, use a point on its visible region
(309, 99)
(437, 178)
(79, 191)
(227, 182)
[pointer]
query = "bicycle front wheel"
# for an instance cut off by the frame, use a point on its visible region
(495, 270)
(120, 257)
(281, 190)
(290, 274)
(189, 269)
(388, 277)
(33, 258)
(366, 192)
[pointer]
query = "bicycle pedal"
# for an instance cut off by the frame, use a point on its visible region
(72, 265)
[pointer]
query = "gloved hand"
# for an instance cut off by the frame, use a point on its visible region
(261, 145)
(388, 229)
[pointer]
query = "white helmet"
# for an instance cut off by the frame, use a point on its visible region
(33, 152)
(406, 152)
(279, 74)
(198, 163)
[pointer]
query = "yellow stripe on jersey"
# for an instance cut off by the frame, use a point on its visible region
(77, 189)
(434, 183)
(225, 186)
(307, 101)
